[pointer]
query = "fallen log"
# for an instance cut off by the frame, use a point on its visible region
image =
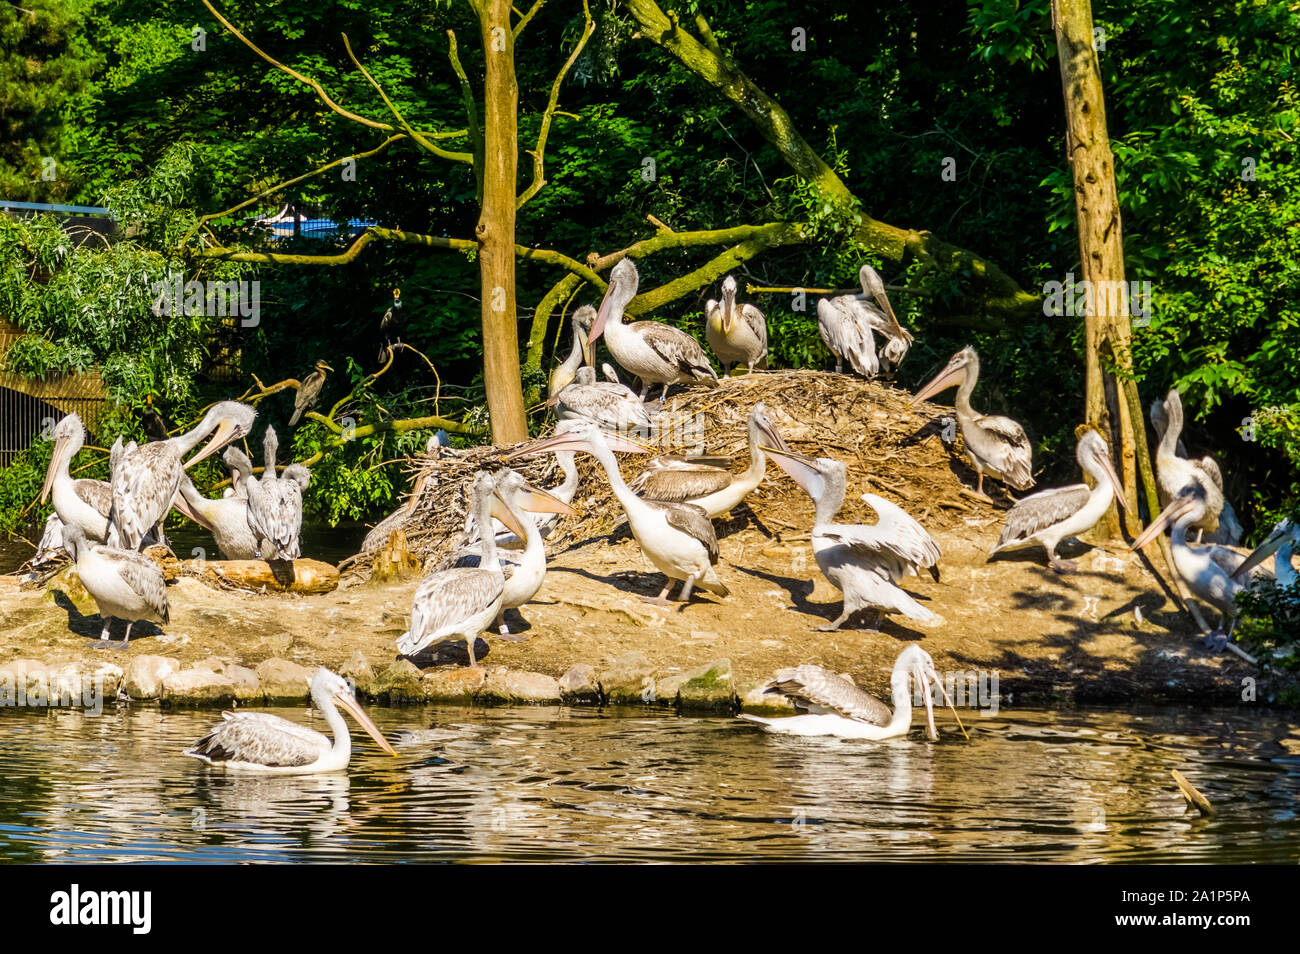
(278, 576)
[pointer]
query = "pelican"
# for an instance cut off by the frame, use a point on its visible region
(125, 585)
(309, 391)
(677, 538)
(612, 406)
(713, 489)
(275, 505)
(997, 445)
(225, 517)
(1175, 471)
(1280, 545)
(865, 563)
(545, 522)
(1050, 516)
(268, 744)
(654, 352)
(435, 447)
(84, 504)
(460, 602)
(145, 479)
(50, 547)
(567, 370)
(831, 704)
(846, 323)
(736, 333)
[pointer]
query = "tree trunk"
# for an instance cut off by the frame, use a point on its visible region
(496, 225)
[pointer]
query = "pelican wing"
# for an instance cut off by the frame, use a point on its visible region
(692, 521)
(448, 598)
(757, 323)
(144, 484)
(275, 514)
(142, 575)
(902, 544)
(846, 331)
(818, 689)
(260, 738)
(610, 406)
(1014, 456)
(1042, 510)
(95, 493)
(677, 348)
(673, 478)
(905, 535)
(1229, 558)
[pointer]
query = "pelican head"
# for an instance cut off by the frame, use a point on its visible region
(74, 540)
(69, 436)
(623, 283)
(1284, 533)
(517, 492)
(919, 664)
(1187, 508)
(1093, 455)
(762, 431)
(227, 421)
(580, 435)
(728, 304)
(328, 689)
(583, 319)
(965, 362)
(822, 479)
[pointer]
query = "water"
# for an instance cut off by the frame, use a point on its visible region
(560, 784)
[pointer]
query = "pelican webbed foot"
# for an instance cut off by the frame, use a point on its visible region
(1216, 641)
(1063, 566)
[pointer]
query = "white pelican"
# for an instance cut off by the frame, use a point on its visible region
(460, 602)
(1050, 516)
(997, 445)
(81, 503)
(275, 505)
(1280, 545)
(736, 333)
(545, 522)
(125, 585)
(225, 517)
(1174, 471)
(614, 407)
(268, 744)
(831, 704)
(711, 488)
(656, 353)
(864, 562)
(567, 370)
(677, 538)
(146, 479)
(846, 323)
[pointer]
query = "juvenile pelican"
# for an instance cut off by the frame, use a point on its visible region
(1050, 516)
(268, 744)
(580, 354)
(656, 353)
(677, 538)
(997, 445)
(864, 562)
(309, 391)
(275, 505)
(612, 406)
(832, 705)
(846, 323)
(125, 585)
(146, 479)
(81, 503)
(736, 333)
(1174, 471)
(1280, 545)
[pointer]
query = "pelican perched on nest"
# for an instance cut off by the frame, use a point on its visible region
(866, 563)
(736, 333)
(1280, 545)
(225, 517)
(80, 503)
(713, 489)
(1050, 516)
(268, 744)
(847, 323)
(580, 354)
(275, 505)
(1174, 471)
(656, 353)
(125, 585)
(996, 445)
(830, 704)
(146, 479)
(678, 538)
(612, 406)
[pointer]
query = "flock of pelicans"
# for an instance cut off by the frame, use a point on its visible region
(670, 505)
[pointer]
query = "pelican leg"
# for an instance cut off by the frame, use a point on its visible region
(645, 389)
(469, 648)
(662, 598)
(1059, 565)
(663, 395)
(687, 586)
(126, 637)
(504, 633)
(104, 641)
(839, 365)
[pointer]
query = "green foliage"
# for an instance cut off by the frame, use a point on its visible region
(1270, 624)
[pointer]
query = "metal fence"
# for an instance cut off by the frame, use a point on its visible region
(24, 418)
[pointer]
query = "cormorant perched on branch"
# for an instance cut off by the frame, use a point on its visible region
(155, 426)
(309, 391)
(389, 324)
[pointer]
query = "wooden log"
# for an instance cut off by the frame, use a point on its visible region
(275, 576)
(1195, 798)
(395, 562)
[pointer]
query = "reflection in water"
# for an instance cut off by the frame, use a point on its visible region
(552, 784)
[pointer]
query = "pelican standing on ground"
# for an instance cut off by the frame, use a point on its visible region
(830, 704)
(612, 406)
(1175, 471)
(865, 563)
(146, 479)
(580, 354)
(736, 333)
(81, 503)
(846, 323)
(275, 505)
(1050, 516)
(996, 445)
(309, 391)
(677, 538)
(656, 353)
(125, 585)
(268, 744)
(564, 492)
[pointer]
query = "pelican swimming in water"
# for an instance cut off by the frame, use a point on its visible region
(677, 538)
(146, 479)
(1050, 516)
(713, 489)
(996, 445)
(847, 322)
(125, 585)
(225, 517)
(865, 563)
(830, 704)
(656, 353)
(580, 354)
(275, 505)
(736, 333)
(1174, 471)
(81, 503)
(269, 744)
(614, 407)
(1280, 545)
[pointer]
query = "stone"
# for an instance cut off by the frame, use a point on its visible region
(283, 681)
(145, 674)
(458, 686)
(248, 688)
(24, 673)
(69, 584)
(279, 643)
(708, 688)
(197, 688)
(400, 684)
(360, 672)
(627, 680)
(579, 686)
(755, 701)
(507, 687)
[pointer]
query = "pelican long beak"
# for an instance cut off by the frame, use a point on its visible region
(728, 312)
(557, 442)
(503, 512)
(182, 506)
(535, 500)
(1262, 553)
(1177, 507)
(923, 680)
(946, 378)
(354, 709)
(803, 470)
(602, 314)
(1113, 477)
(948, 701)
(52, 472)
(771, 434)
(228, 430)
(587, 352)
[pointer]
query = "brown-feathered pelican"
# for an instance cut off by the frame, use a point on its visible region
(847, 322)
(865, 563)
(678, 538)
(1174, 471)
(580, 354)
(713, 489)
(81, 503)
(225, 517)
(829, 704)
(461, 602)
(996, 445)
(656, 353)
(146, 479)
(125, 585)
(1280, 545)
(612, 406)
(309, 391)
(269, 744)
(275, 505)
(736, 333)
(1050, 516)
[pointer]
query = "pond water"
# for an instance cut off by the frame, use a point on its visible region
(569, 784)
